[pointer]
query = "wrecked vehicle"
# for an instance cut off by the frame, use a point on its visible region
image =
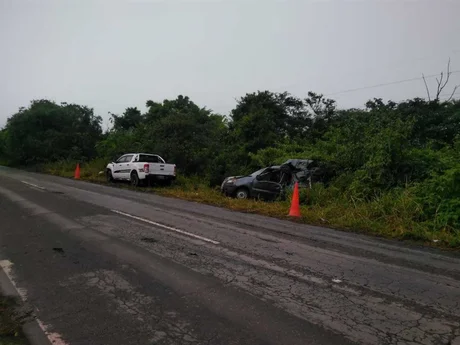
(271, 182)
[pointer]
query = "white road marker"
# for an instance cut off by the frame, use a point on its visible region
(33, 185)
(167, 227)
(336, 281)
(7, 267)
(53, 337)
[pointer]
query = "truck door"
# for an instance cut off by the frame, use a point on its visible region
(117, 166)
(126, 171)
(122, 167)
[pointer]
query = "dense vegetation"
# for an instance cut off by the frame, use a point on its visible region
(402, 160)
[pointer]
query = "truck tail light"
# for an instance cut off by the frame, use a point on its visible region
(146, 168)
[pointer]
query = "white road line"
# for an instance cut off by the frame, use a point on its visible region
(33, 185)
(7, 267)
(53, 337)
(167, 227)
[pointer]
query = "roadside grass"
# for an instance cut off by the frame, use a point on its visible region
(11, 321)
(66, 168)
(395, 215)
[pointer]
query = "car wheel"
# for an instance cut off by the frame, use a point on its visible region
(241, 193)
(134, 179)
(109, 176)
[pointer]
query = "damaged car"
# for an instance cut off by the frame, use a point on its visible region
(271, 182)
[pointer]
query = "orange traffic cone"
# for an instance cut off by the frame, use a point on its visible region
(295, 208)
(77, 172)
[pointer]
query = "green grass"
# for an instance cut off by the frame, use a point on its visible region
(394, 215)
(11, 321)
(88, 170)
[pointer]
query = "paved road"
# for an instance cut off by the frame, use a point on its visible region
(103, 265)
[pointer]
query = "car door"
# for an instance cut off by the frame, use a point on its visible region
(266, 185)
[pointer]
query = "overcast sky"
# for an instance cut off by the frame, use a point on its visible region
(113, 54)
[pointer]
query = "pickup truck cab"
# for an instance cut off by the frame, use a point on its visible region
(141, 168)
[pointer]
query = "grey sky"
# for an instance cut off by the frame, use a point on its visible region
(113, 54)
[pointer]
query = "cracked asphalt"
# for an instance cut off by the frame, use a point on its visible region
(94, 276)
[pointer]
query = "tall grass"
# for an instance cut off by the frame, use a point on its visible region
(66, 168)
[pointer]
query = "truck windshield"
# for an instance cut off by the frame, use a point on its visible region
(150, 159)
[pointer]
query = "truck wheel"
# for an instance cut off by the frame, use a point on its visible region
(241, 193)
(109, 176)
(134, 179)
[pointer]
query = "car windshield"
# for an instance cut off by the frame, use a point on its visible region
(254, 174)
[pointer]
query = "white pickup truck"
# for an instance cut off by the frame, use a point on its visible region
(141, 168)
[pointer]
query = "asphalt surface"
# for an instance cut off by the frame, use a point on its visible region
(104, 265)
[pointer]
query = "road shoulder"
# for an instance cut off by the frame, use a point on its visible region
(31, 330)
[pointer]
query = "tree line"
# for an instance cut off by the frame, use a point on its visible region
(385, 147)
